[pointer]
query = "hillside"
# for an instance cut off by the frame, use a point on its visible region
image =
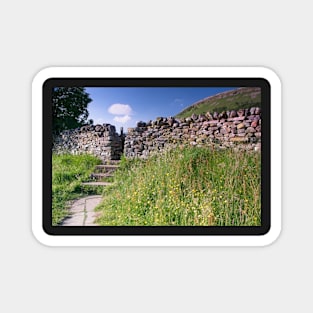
(241, 98)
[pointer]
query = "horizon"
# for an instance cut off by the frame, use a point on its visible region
(125, 106)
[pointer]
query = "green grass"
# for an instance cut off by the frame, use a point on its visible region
(235, 102)
(186, 187)
(68, 171)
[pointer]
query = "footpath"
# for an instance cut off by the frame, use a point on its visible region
(82, 211)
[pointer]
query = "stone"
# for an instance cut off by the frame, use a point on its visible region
(222, 115)
(183, 124)
(213, 122)
(243, 135)
(238, 118)
(99, 128)
(254, 123)
(188, 120)
(170, 122)
(84, 128)
(251, 117)
(202, 118)
(209, 116)
(241, 125)
(111, 128)
(194, 117)
(241, 113)
(232, 114)
(141, 124)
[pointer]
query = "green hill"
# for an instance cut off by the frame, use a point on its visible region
(241, 98)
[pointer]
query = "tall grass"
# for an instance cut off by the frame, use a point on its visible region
(68, 171)
(186, 187)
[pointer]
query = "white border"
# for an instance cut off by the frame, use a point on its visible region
(173, 72)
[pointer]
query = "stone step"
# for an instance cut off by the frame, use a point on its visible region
(100, 175)
(97, 183)
(111, 162)
(104, 166)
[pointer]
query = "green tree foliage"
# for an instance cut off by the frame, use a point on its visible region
(69, 108)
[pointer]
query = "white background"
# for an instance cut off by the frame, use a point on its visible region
(37, 34)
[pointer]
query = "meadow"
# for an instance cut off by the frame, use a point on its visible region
(186, 187)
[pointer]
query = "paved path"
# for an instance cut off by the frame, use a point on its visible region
(82, 212)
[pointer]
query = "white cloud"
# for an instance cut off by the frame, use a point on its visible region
(120, 109)
(122, 119)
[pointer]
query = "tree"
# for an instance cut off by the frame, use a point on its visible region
(69, 108)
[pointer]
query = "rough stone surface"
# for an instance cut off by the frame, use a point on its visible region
(99, 140)
(240, 129)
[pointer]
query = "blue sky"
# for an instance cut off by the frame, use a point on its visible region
(125, 106)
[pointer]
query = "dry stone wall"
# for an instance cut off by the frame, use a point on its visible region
(238, 129)
(99, 140)
(232, 129)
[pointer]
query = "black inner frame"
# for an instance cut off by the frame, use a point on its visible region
(157, 230)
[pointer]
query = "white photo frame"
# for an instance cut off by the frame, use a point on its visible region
(155, 72)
